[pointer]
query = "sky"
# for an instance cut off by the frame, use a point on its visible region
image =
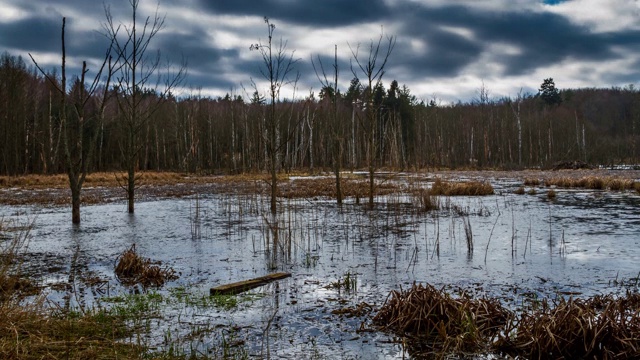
(445, 50)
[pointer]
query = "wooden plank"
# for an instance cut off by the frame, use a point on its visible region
(242, 286)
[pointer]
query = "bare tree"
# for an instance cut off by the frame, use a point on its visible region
(278, 69)
(80, 131)
(372, 68)
(141, 86)
(335, 135)
(516, 112)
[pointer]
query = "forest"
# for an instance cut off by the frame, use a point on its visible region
(198, 134)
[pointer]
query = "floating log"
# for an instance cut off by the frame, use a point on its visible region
(242, 286)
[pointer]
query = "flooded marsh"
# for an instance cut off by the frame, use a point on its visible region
(513, 246)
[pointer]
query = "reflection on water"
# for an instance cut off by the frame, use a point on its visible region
(522, 244)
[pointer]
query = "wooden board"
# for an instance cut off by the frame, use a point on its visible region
(242, 286)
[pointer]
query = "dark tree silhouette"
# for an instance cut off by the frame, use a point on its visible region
(548, 92)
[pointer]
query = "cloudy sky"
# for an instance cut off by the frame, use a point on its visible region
(445, 49)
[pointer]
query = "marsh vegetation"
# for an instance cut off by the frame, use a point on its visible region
(524, 256)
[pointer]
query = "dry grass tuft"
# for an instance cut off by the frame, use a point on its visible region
(531, 182)
(424, 201)
(602, 327)
(326, 187)
(33, 332)
(520, 191)
(551, 194)
(12, 241)
(467, 188)
(131, 269)
(436, 323)
(592, 182)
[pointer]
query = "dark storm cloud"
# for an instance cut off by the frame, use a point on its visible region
(326, 13)
(192, 47)
(33, 33)
(542, 39)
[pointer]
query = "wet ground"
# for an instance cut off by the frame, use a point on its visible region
(581, 243)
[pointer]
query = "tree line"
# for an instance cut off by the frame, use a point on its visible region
(227, 134)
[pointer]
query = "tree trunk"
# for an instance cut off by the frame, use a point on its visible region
(75, 205)
(131, 186)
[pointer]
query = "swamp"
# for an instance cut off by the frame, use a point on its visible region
(495, 249)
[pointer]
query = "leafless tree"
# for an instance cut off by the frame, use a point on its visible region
(78, 145)
(278, 71)
(334, 128)
(142, 86)
(372, 67)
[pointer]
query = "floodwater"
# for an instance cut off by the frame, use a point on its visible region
(581, 243)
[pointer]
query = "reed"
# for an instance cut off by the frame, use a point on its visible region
(435, 323)
(602, 327)
(131, 269)
(593, 183)
(465, 188)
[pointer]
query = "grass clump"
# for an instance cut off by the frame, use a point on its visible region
(593, 183)
(602, 327)
(424, 201)
(12, 241)
(33, 332)
(435, 323)
(131, 269)
(531, 182)
(466, 188)
(520, 191)
(551, 194)
(348, 283)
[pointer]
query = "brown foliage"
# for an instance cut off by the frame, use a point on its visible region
(435, 322)
(592, 182)
(432, 322)
(132, 269)
(467, 188)
(602, 327)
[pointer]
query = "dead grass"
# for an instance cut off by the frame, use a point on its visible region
(593, 183)
(13, 240)
(32, 332)
(520, 191)
(424, 201)
(531, 182)
(326, 187)
(602, 327)
(107, 179)
(467, 188)
(434, 324)
(131, 269)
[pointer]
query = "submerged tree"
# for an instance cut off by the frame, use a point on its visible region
(372, 67)
(330, 92)
(81, 128)
(141, 87)
(278, 69)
